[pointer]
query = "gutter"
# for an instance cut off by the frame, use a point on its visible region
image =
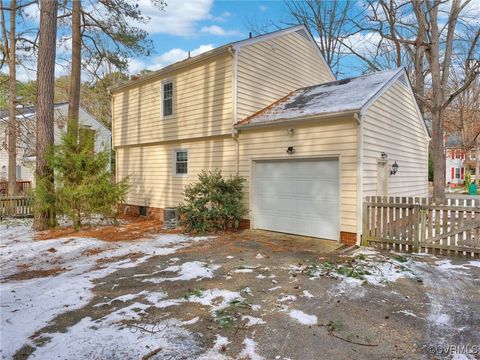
(234, 52)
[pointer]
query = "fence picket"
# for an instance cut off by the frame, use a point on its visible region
(418, 224)
(16, 206)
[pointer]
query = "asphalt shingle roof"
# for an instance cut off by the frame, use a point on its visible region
(337, 96)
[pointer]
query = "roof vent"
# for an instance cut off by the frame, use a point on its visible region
(303, 33)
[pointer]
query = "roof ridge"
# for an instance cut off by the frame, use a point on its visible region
(219, 49)
(353, 78)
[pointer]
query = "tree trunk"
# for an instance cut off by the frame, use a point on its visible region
(438, 149)
(12, 123)
(45, 211)
(75, 76)
(477, 166)
(438, 155)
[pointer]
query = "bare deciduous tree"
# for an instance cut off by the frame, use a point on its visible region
(328, 20)
(431, 32)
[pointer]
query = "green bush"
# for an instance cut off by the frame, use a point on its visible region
(83, 184)
(213, 203)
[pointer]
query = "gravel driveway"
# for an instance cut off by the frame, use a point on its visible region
(251, 295)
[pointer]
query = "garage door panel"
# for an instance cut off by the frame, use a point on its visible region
(274, 204)
(298, 197)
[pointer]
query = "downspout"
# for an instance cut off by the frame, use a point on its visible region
(359, 117)
(234, 53)
(112, 144)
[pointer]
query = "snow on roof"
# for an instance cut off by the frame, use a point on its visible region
(337, 96)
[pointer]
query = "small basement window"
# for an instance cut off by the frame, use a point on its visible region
(167, 102)
(181, 162)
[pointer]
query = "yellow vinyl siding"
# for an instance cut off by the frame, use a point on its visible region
(202, 105)
(151, 168)
(336, 137)
(392, 125)
(269, 70)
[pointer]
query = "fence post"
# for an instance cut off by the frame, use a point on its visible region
(365, 224)
(418, 225)
(423, 227)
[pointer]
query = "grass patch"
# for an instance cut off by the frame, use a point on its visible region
(227, 317)
(335, 325)
(197, 292)
(400, 258)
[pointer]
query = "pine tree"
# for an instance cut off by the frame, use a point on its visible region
(83, 184)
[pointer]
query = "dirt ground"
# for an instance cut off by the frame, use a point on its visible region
(260, 295)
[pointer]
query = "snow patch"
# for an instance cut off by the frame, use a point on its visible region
(252, 321)
(447, 265)
(286, 298)
(303, 318)
(250, 350)
(408, 313)
(187, 271)
(215, 353)
(243, 270)
(307, 294)
(90, 339)
(215, 298)
(29, 305)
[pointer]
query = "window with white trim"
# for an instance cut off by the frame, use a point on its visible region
(167, 98)
(457, 173)
(181, 162)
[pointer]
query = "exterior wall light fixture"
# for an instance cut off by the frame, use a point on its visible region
(394, 168)
(290, 150)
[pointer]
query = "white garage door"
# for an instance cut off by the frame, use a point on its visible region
(297, 197)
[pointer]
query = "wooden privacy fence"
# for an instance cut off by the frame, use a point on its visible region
(419, 225)
(16, 206)
(23, 187)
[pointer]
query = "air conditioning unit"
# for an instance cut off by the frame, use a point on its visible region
(170, 218)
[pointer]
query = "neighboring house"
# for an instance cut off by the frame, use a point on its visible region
(459, 161)
(26, 138)
(270, 109)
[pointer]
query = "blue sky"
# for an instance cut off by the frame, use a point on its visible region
(200, 25)
(184, 25)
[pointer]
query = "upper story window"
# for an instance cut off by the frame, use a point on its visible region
(473, 154)
(458, 154)
(181, 162)
(167, 98)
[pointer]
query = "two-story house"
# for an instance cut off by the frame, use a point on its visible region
(269, 108)
(459, 162)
